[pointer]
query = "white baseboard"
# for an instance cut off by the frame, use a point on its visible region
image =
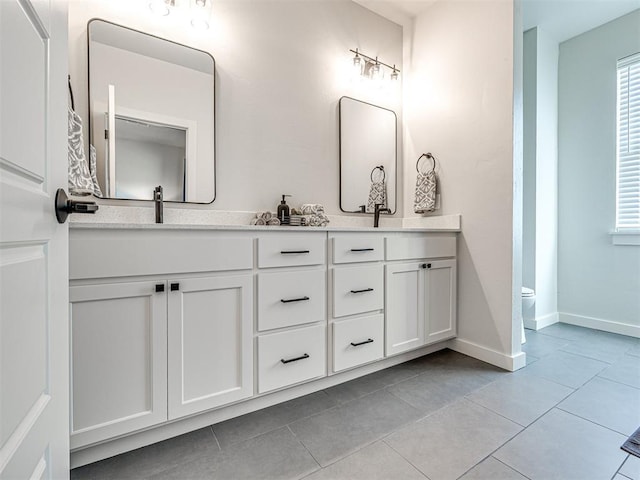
(601, 324)
(499, 359)
(541, 322)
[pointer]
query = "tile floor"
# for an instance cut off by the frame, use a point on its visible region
(443, 416)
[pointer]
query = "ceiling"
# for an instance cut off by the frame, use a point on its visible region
(563, 19)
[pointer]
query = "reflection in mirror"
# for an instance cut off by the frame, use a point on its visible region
(367, 155)
(151, 105)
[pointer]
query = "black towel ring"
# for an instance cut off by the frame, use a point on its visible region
(427, 155)
(381, 168)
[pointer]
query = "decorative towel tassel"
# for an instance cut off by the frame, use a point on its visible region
(378, 191)
(426, 188)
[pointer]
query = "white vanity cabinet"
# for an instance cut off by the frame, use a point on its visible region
(291, 306)
(177, 328)
(118, 359)
(420, 295)
(209, 342)
(177, 343)
(357, 299)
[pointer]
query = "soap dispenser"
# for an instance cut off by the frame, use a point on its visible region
(283, 211)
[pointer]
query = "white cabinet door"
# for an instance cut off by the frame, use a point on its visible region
(210, 342)
(34, 335)
(404, 307)
(441, 300)
(118, 359)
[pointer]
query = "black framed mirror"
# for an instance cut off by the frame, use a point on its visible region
(151, 115)
(368, 156)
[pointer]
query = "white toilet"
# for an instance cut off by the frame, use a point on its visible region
(528, 300)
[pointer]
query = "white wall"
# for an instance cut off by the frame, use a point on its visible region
(461, 108)
(540, 229)
(281, 67)
(598, 282)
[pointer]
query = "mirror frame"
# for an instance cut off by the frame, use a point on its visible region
(395, 133)
(90, 128)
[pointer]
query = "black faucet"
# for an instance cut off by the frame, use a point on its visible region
(157, 199)
(376, 213)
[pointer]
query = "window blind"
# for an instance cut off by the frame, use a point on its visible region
(628, 144)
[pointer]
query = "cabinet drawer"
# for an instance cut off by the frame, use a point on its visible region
(421, 246)
(286, 299)
(289, 250)
(290, 357)
(357, 341)
(357, 289)
(350, 248)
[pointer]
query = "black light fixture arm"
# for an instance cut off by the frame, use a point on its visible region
(357, 52)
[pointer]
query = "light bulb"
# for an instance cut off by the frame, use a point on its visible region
(376, 73)
(357, 65)
(160, 7)
(394, 75)
(200, 14)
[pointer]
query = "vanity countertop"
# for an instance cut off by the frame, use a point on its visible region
(276, 228)
(443, 223)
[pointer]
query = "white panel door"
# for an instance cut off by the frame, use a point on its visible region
(210, 342)
(34, 346)
(441, 300)
(118, 359)
(404, 307)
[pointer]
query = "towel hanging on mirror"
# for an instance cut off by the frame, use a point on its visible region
(378, 189)
(80, 182)
(426, 187)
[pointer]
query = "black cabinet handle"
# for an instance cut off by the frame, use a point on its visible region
(159, 287)
(369, 340)
(425, 265)
(301, 299)
(293, 252)
(363, 290)
(294, 359)
(175, 287)
(362, 249)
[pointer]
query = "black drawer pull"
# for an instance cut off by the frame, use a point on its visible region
(301, 299)
(293, 252)
(175, 287)
(369, 340)
(159, 287)
(363, 290)
(295, 359)
(425, 265)
(362, 249)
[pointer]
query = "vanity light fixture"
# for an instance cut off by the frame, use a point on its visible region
(372, 68)
(198, 11)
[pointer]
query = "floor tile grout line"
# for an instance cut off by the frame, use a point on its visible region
(617, 381)
(614, 381)
(509, 466)
(403, 457)
(305, 447)
(592, 358)
(595, 423)
(216, 438)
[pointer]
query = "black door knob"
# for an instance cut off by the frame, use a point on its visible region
(65, 207)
